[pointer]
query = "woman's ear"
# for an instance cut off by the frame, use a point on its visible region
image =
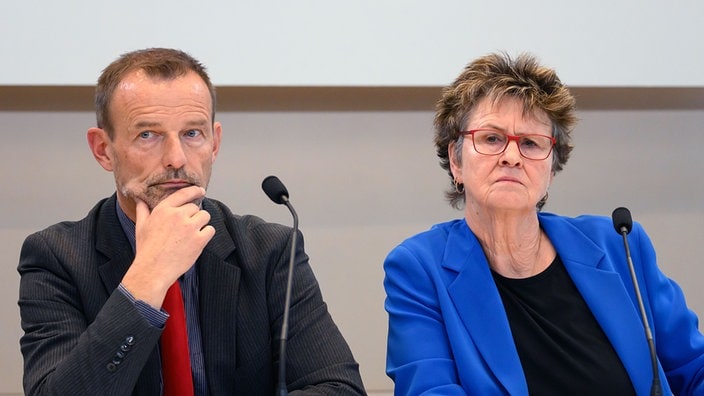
(455, 163)
(99, 143)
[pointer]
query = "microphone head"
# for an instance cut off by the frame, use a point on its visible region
(275, 190)
(622, 219)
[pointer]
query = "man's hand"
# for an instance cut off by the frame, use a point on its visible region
(169, 240)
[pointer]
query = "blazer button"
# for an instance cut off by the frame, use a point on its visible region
(111, 367)
(129, 340)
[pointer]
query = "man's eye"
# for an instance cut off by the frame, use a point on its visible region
(146, 134)
(193, 133)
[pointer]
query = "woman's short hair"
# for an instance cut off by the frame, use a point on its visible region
(497, 76)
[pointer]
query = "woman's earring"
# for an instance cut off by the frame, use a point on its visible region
(459, 187)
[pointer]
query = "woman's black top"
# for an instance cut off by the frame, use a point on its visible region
(562, 348)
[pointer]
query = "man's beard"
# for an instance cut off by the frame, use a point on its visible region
(152, 191)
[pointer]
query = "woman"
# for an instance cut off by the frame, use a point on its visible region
(509, 300)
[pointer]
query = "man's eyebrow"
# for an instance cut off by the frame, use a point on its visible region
(152, 124)
(197, 122)
(146, 124)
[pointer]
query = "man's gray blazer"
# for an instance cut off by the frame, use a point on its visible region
(84, 337)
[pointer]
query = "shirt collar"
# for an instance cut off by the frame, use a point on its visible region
(128, 226)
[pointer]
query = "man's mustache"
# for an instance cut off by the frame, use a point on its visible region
(176, 174)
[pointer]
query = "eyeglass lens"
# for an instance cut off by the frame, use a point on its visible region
(530, 146)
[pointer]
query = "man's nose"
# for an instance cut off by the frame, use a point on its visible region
(174, 156)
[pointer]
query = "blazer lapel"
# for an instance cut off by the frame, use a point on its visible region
(606, 295)
(219, 279)
(110, 240)
(480, 308)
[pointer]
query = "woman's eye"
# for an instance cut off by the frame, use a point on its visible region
(495, 138)
(529, 143)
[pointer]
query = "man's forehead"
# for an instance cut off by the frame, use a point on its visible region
(138, 84)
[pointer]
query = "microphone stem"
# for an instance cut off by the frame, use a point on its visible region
(655, 389)
(283, 391)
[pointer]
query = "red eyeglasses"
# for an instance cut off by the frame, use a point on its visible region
(493, 142)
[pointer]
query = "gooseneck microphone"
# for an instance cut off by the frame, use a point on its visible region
(277, 192)
(623, 224)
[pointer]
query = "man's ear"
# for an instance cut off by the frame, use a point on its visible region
(99, 143)
(217, 136)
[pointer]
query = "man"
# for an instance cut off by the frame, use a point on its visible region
(92, 292)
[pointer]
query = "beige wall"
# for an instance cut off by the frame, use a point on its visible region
(362, 173)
